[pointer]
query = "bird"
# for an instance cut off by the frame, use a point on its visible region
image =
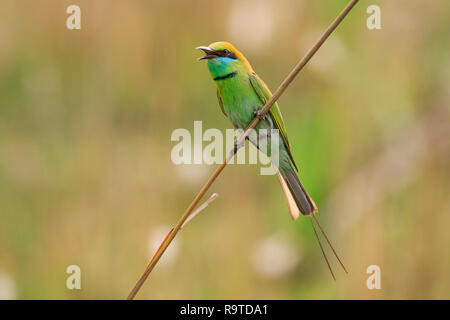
(242, 94)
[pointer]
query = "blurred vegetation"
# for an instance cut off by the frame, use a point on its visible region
(85, 173)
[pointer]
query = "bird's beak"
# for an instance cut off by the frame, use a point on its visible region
(210, 53)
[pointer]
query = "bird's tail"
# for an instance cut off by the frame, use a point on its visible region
(296, 196)
(299, 201)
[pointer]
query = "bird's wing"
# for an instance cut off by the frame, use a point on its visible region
(264, 95)
(220, 102)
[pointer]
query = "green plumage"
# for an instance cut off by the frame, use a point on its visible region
(241, 93)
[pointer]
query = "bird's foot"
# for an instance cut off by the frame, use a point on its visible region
(259, 115)
(237, 145)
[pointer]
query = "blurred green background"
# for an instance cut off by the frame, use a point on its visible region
(86, 178)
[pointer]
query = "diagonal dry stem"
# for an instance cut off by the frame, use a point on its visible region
(252, 125)
(157, 253)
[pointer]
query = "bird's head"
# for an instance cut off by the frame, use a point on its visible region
(223, 58)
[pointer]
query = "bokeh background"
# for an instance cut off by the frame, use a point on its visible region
(86, 177)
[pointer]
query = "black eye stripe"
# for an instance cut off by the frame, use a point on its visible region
(228, 53)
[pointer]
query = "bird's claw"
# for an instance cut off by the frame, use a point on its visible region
(237, 145)
(259, 115)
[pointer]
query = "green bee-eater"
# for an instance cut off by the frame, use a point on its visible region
(241, 95)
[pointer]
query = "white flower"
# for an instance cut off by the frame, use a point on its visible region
(275, 256)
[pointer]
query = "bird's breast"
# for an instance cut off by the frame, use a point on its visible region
(239, 100)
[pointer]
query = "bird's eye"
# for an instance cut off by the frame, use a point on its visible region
(226, 52)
